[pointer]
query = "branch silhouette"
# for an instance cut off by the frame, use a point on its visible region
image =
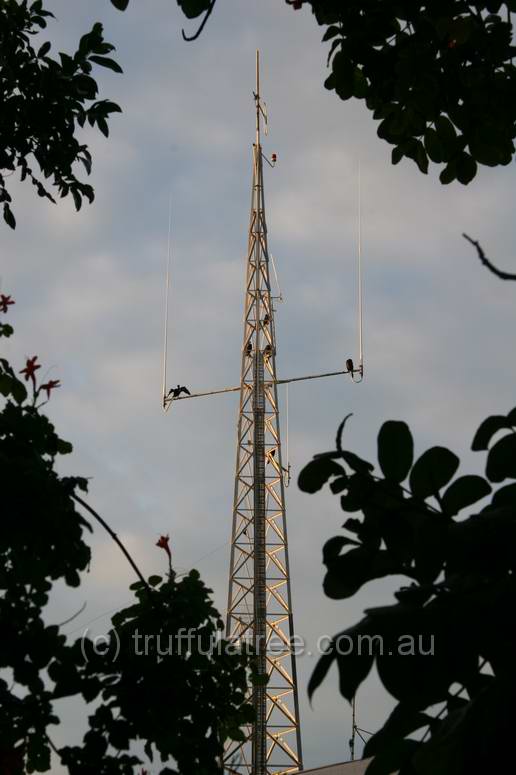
(113, 536)
(492, 268)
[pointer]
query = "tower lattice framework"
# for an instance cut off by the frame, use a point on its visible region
(259, 600)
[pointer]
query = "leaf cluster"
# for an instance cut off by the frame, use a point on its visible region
(439, 77)
(43, 103)
(452, 623)
(182, 702)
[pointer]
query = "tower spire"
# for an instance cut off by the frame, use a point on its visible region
(259, 600)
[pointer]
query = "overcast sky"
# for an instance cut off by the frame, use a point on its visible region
(89, 289)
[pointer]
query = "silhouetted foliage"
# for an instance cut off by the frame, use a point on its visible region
(44, 101)
(459, 604)
(438, 76)
(182, 698)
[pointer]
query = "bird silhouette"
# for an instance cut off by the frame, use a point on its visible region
(349, 365)
(176, 392)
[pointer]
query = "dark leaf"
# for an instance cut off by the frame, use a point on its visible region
(403, 720)
(320, 671)
(332, 548)
(314, 475)
(356, 463)
(487, 430)
(463, 492)
(432, 471)
(505, 496)
(106, 62)
(395, 450)
(501, 460)
(45, 48)
(9, 217)
(120, 4)
(355, 651)
(194, 8)
(393, 758)
(330, 33)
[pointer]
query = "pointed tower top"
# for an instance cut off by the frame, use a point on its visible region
(261, 111)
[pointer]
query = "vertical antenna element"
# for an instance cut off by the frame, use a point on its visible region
(167, 284)
(360, 320)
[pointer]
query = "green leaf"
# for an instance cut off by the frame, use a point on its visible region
(434, 469)
(106, 62)
(487, 430)
(155, 580)
(501, 460)
(463, 492)
(317, 472)
(395, 450)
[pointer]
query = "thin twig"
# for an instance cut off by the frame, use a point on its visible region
(113, 536)
(202, 25)
(75, 615)
(492, 268)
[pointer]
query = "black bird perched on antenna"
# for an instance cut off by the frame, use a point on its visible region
(176, 392)
(349, 365)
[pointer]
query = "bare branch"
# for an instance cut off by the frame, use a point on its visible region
(113, 536)
(492, 268)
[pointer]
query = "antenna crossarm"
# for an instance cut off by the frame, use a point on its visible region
(168, 401)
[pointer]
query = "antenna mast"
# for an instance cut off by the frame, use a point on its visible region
(259, 600)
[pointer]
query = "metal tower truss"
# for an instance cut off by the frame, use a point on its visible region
(259, 602)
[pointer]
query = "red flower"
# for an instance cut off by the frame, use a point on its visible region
(49, 386)
(163, 544)
(5, 301)
(30, 369)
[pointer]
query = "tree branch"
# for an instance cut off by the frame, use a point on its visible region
(492, 268)
(113, 536)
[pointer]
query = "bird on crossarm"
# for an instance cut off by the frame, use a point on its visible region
(176, 392)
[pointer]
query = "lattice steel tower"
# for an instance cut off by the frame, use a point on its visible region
(259, 600)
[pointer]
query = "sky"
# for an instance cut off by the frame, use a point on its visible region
(89, 290)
